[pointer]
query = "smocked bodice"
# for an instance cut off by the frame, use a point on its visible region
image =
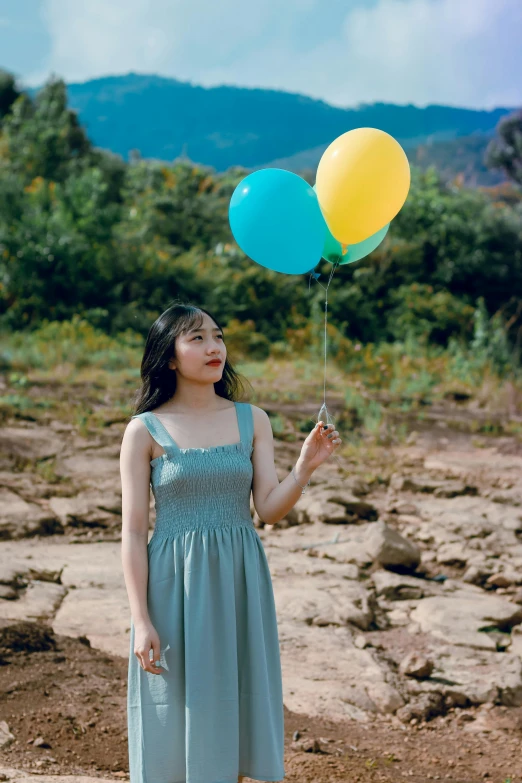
(201, 488)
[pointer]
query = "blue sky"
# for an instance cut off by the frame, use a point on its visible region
(455, 52)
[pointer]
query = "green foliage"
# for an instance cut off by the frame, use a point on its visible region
(8, 92)
(505, 152)
(82, 233)
(44, 137)
(425, 315)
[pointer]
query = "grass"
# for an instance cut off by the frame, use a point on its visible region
(74, 372)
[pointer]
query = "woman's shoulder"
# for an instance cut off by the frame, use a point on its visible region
(259, 416)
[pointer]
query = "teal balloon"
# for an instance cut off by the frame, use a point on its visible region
(276, 220)
(333, 250)
(364, 248)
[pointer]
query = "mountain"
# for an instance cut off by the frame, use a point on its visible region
(231, 126)
(462, 157)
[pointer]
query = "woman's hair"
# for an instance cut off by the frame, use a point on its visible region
(158, 381)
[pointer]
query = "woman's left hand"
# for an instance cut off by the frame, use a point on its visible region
(318, 446)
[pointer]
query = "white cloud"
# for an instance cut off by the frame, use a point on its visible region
(461, 52)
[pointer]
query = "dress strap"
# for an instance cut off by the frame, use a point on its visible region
(246, 424)
(158, 431)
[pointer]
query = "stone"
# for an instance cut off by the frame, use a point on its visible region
(439, 487)
(386, 698)
(321, 510)
(399, 587)
(516, 641)
(406, 510)
(350, 604)
(499, 580)
(22, 519)
(452, 554)
(416, 665)
(423, 708)
(475, 575)
(390, 549)
(356, 485)
(5, 735)
(361, 509)
(479, 676)
(463, 617)
(40, 601)
(453, 489)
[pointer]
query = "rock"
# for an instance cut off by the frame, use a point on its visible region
(355, 507)
(453, 489)
(475, 575)
(499, 580)
(350, 604)
(39, 602)
(29, 443)
(479, 676)
(390, 549)
(463, 617)
(516, 641)
(517, 598)
(310, 745)
(416, 665)
(452, 554)
(398, 618)
(356, 485)
(5, 735)
(361, 642)
(406, 510)
(21, 519)
(321, 510)
(423, 708)
(398, 587)
(507, 497)
(40, 742)
(440, 488)
(387, 699)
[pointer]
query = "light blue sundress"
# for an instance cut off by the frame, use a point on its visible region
(216, 712)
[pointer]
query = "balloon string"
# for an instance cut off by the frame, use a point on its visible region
(324, 413)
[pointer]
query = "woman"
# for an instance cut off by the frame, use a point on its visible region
(208, 706)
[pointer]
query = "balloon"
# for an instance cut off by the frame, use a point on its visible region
(276, 220)
(333, 251)
(362, 249)
(362, 181)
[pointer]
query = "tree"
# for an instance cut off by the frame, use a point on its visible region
(505, 152)
(8, 92)
(44, 137)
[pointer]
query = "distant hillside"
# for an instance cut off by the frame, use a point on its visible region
(228, 126)
(461, 157)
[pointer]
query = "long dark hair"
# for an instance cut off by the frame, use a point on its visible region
(158, 381)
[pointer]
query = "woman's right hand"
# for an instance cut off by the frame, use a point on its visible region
(145, 639)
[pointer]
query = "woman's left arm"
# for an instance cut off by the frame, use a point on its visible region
(274, 499)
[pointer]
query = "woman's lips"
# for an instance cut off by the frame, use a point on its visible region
(214, 363)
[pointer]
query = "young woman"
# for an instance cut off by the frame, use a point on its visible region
(208, 706)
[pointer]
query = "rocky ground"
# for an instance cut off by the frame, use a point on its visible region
(399, 599)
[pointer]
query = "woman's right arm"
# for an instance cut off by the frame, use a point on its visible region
(135, 498)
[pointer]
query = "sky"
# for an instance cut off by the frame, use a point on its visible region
(347, 52)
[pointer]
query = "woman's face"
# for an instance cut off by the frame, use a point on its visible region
(196, 348)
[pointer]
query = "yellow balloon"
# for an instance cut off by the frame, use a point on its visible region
(362, 181)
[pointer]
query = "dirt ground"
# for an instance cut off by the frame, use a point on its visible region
(66, 704)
